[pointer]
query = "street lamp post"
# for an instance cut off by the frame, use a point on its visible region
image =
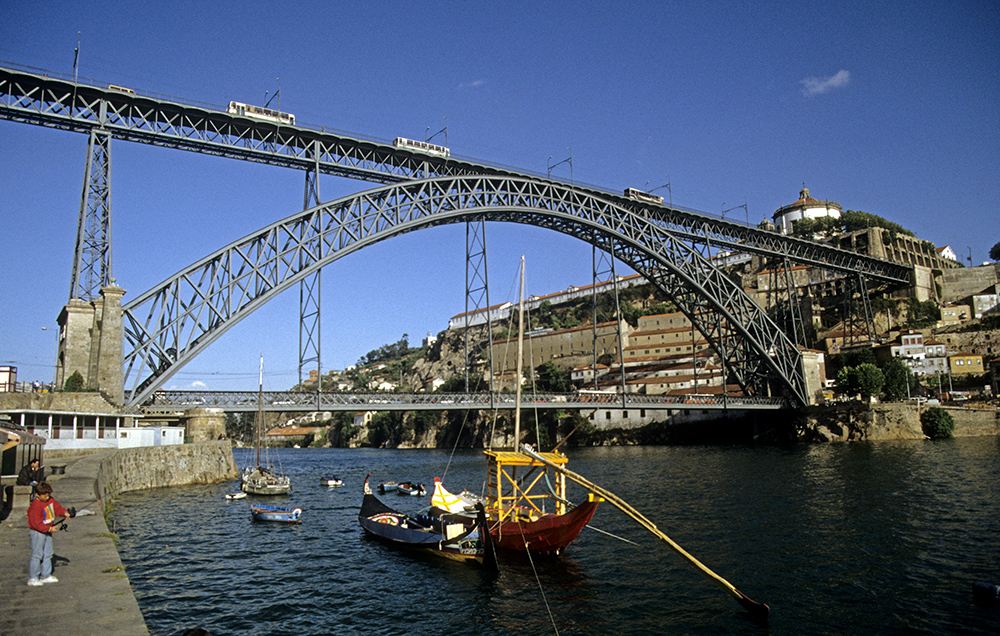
(736, 207)
(55, 364)
(549, 167)
(443, 130)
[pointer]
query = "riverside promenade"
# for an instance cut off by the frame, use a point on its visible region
(93, 595)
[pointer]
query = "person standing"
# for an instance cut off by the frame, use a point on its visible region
(31, 475)
(42, 515)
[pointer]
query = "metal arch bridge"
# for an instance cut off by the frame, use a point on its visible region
(167, 326)
(669, 245)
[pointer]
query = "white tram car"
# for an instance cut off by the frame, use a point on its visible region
(257, 112)
(640, 195)
(421, 146)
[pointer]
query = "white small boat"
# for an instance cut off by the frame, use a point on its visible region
(333, 481)
(272, 513)
(236, 495)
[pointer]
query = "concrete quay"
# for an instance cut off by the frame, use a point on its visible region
(93, 595)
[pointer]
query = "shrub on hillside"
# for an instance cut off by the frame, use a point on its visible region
(937, 423)
(74, 383)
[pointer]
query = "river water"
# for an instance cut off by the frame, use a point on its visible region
(861, 538)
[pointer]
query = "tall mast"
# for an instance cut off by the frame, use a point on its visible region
(520, 358)
(260, 405)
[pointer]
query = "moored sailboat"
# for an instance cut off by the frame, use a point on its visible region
(263, 479)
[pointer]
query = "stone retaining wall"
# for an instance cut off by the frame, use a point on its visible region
(84, 402)
(887, 421)
(159, 466)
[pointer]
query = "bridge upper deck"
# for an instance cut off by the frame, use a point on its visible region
(62, 103)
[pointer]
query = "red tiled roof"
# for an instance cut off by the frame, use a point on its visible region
(292, 430)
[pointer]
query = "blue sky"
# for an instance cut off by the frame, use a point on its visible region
(892, 108)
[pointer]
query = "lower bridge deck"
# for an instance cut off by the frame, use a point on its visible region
(285, 401)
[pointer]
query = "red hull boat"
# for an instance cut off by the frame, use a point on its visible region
(521, 514)
(549, 534)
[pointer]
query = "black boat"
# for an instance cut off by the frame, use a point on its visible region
(423, 532)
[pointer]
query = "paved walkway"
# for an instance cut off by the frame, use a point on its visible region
(93, 595)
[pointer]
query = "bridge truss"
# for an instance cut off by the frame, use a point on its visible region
(172, 401)
(61, 103)
(670, 246)
(167, 326)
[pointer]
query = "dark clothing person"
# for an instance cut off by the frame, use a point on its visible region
(31, 473)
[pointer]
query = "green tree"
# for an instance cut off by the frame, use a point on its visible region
(870, 380)
(899, 380)
(385, 429)
(240, 426)
(74, 383)
(922, 313)
(342, 430)
(550, 377)
(937, 423)
(847, 382)
(456, 384)
(995, 252)
(359, 378)
(865, 380)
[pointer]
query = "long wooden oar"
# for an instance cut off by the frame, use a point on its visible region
(758, 611)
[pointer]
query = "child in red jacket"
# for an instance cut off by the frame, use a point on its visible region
(42, 514)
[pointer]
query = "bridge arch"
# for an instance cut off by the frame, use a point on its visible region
(167, 326)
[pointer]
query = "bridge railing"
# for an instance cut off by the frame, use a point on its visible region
(167, 401)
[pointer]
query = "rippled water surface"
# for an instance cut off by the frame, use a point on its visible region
(881, 538)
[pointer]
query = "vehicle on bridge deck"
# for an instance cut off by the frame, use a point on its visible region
(421, 146)
(258, 112)
(121, 89)
(640, 195)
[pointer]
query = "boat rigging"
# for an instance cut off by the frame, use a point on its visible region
(263, 479)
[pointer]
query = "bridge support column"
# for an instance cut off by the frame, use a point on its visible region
(813, 380)
(204, 425)
(92, 261)
(90, 343)
(477, 297)
(309, 290)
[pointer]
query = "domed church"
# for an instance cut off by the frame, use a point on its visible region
(805, 208)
